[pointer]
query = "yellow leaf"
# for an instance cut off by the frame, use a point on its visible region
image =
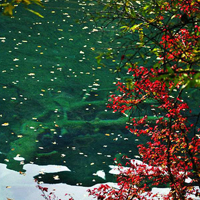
(4, 4)
(36, 13)
(8, 10)
(38, 2)
(27, 2)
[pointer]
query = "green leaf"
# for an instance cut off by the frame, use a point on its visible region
(170, 70)
(135, 27)
(99, 57)
(156, 65)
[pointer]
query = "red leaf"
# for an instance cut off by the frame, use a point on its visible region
(45, 189)
(122, 57)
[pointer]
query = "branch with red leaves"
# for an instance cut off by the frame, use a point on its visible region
(171, 155)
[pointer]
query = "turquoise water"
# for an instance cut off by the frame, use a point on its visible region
(53, 95)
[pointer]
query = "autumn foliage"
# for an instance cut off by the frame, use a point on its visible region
(171, 156)
(155, 97)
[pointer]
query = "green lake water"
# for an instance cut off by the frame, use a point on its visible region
(53, 95)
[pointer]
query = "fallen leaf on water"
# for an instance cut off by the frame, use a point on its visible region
(5, 124)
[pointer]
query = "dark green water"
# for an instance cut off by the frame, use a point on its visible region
(53, 95)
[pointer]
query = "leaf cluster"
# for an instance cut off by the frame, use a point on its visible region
(150, 33)
(159, 48)
(10, 5)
